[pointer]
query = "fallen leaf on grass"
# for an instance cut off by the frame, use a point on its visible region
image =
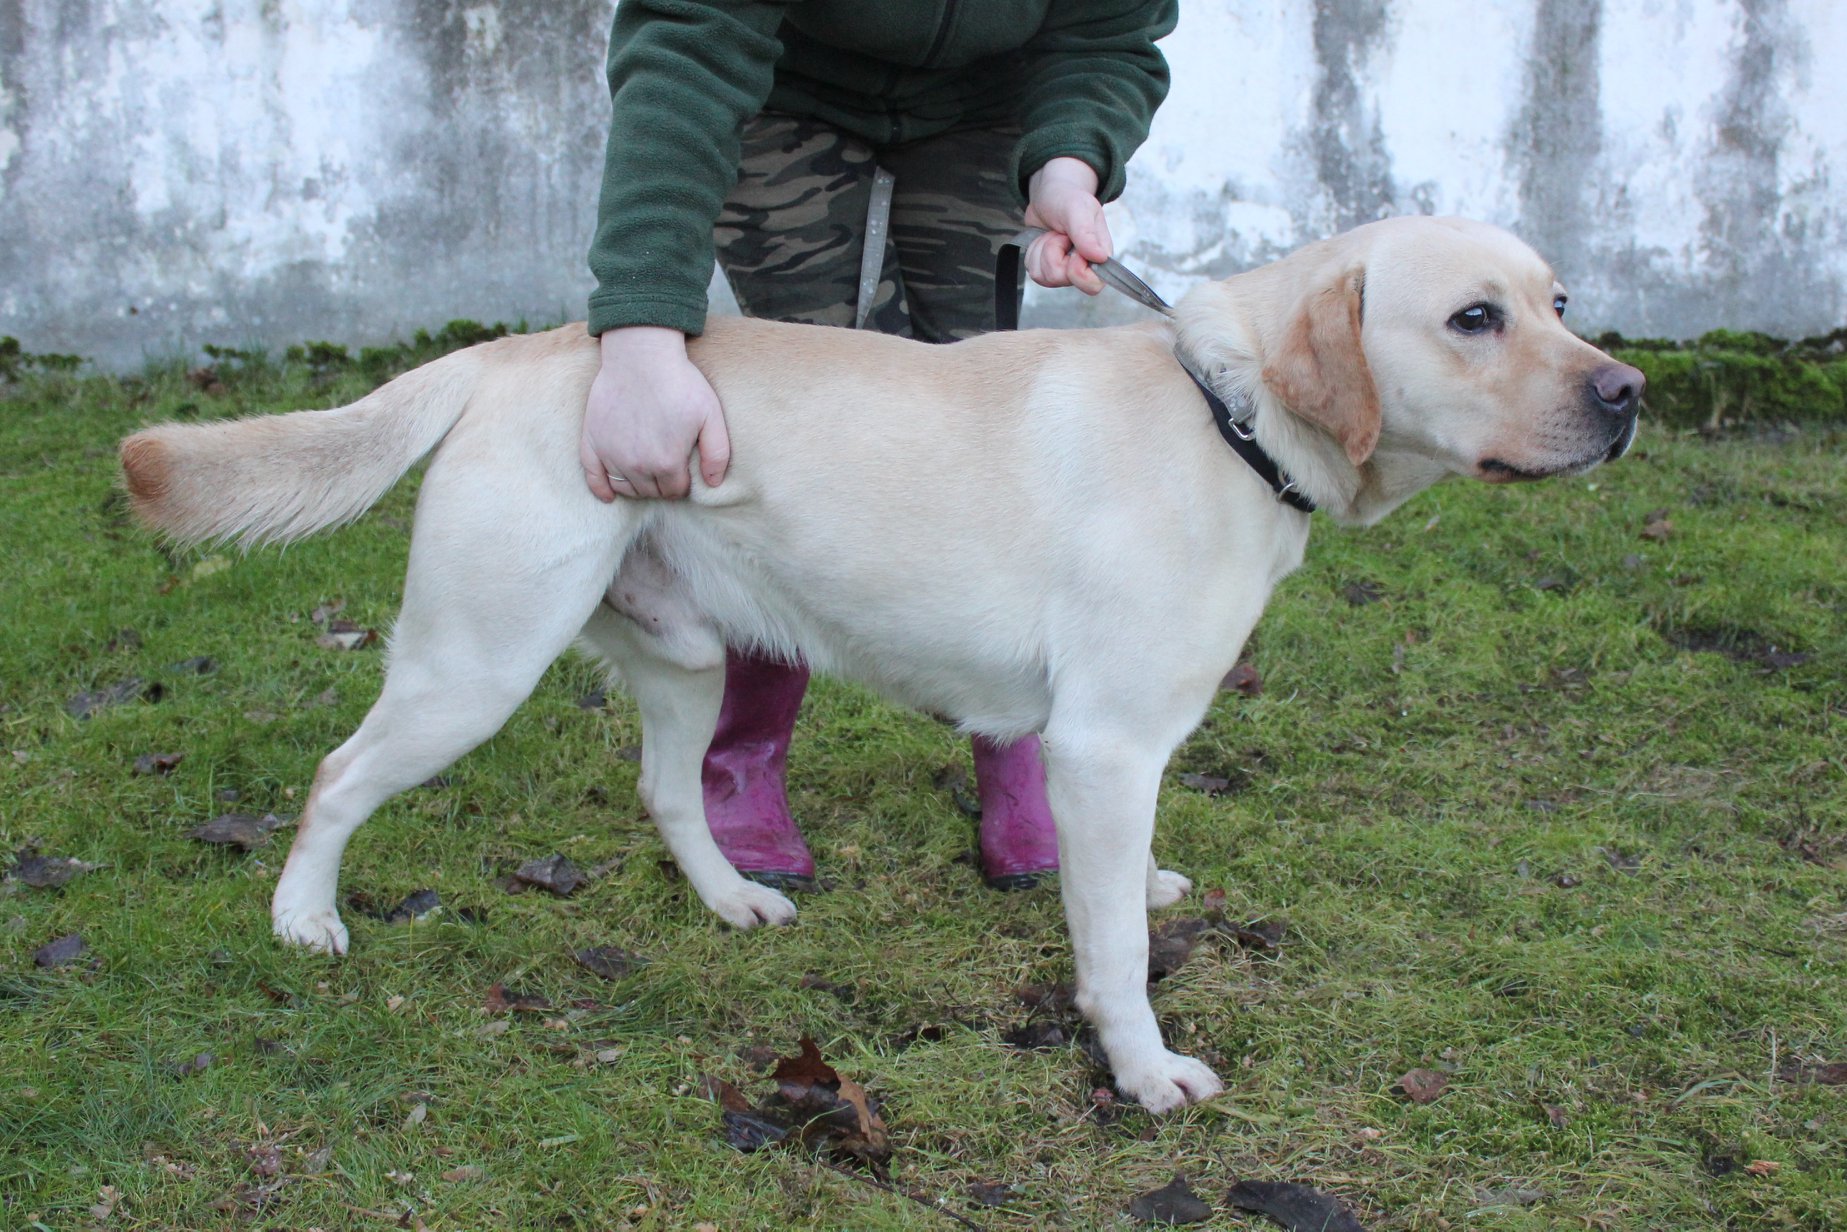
(1621, 861)
(1360, 594)
(85, 705)
(1555, 1116)
(1035, 1034)
(325, 612)
(555, 873)
(248, 1201)
(67, 949)
(158, 763)
(46, 872)
(607, 961)
(467, 1172)
(1296, 1207)
(239, 830)
(107, 1199)
(265, 1159)
(1762, 1167)
(198, 665)
(813, 1104)
(501, 1001)
(1170, 944)
(991, 1193)
(1830, 1074)
(1242, 680)
(746, 1128)
(345, 635)
(198, 1063)
(1210, 784)
(1655, 526)
(1422, 1086)
(1174, 1202)
(417, 905)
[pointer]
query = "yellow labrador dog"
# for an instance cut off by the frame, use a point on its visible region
(1027, 532)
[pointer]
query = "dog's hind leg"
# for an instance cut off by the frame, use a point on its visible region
(482, 620)
(673, 664)
(1166, 887)
(1102, 781)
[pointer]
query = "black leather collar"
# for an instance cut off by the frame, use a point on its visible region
(1244, 442)
(1007, 295)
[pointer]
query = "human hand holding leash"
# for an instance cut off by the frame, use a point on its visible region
(1062, 198)
(648, 410)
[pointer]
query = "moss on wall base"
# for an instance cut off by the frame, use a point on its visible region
(1729, 376)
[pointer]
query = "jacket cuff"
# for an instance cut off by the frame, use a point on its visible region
(609, 312)
(1067, 141)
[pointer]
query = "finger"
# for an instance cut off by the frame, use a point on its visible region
(1090, 234)
(594, 473)
(1082, 276)
(643, 487)
(674, 483)
(1046, 260)
(620, 484)
(714, 450)
(598, 485)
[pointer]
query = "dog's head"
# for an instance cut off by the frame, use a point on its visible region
(1412, 348)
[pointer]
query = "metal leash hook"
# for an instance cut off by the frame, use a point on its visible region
(1113, 273)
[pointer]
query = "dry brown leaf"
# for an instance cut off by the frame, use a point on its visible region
(1422, 1086)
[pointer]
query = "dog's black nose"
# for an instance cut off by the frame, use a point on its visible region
(1618, 388)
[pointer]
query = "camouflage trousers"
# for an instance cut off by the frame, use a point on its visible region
(790, 236)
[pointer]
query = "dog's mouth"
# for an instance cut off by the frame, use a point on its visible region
(1499, 470)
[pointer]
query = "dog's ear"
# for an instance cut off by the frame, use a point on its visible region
(1318, 371)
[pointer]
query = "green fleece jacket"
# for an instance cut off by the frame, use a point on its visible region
(1081, 78)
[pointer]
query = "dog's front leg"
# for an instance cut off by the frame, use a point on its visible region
(1102, 788)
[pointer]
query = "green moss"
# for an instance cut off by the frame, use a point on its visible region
(1738, 376)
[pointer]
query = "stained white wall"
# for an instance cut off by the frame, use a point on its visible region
(268, 171)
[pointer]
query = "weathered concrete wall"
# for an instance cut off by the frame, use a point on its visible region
(267, 171)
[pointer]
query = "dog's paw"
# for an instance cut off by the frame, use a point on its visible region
(1166, 887)
(1171, 1081)
(320, 931)
(748, 904)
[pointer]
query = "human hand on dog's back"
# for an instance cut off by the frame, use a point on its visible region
(1062, 198)
(649, 409)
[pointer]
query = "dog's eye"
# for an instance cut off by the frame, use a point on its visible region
(1558, 304)
(1475, 319)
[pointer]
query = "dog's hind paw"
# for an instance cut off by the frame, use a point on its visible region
(1170, 1082)
(1166, 887)
(747, 904)
(320, 931)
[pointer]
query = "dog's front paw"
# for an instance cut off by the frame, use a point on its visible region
(748, 904)
(1166, 887)
(1169, 1082)
(320, 931)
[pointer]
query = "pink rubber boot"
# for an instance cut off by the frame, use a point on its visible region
(746, 803)
(1018, 841)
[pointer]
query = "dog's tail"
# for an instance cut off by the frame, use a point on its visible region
(274, 478)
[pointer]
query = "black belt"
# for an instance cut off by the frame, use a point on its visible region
(1007, 293)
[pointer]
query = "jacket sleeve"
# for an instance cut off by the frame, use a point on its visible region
(1093, 80)
(684, 75)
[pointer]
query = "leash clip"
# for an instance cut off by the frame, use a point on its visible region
(1241, 428)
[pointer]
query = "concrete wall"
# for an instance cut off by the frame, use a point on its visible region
(268, 171)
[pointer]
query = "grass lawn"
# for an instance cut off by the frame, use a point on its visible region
(1545, 790)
